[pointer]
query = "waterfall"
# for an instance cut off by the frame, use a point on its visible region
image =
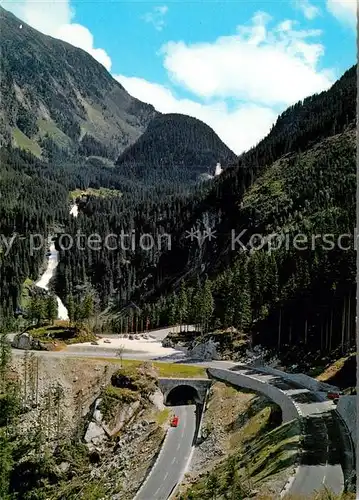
(48, 274)
(74, 211)
(218, 170)
(50, 271)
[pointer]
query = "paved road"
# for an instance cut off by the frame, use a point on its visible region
(173, 458)
(322, 463)
(323, 452)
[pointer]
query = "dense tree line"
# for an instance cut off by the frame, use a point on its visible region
(279, 297)
(174, 148)
(274, 296)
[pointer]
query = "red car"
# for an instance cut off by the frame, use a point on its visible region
(174, 421)
(333, 395)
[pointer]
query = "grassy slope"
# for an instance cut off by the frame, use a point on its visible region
(48, 127)
(170, 370)
(61, 332)
(100, 193)
(262, 453)
(23, 142)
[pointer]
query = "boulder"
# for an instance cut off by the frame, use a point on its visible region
(97, 415)
(205, 351)
(23, 341)
(168, 342)
(123, 416)
(157, 399)
(94, 434)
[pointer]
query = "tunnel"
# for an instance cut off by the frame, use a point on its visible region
(182, 395)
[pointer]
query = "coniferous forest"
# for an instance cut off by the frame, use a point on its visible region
(147, 235)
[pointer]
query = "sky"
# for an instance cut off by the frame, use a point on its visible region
(235, 64)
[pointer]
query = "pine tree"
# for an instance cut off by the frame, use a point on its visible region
(51, 308)
(207, 305)
(5, 357)
(87, 307)
(183, 306)
(71, 309)
(6, 463)
(37, 309)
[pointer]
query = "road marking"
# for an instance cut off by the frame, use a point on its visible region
(166, 476)
(173, 461)
(324, 478)
(157, 491)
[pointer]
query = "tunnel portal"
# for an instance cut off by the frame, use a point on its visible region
(182, 395)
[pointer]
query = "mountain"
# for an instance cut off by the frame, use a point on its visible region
(54, 95)
(300, 179)
(175, 146)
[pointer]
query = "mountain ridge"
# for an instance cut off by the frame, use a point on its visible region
(175, 145)
(63, 101)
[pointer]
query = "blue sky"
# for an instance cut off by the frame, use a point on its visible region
(233, 64)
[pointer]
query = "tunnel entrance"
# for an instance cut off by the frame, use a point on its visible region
(182, 395)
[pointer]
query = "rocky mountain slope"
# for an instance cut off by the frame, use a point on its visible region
(52, 92)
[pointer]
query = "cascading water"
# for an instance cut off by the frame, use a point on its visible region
(50, 271)
(74, 210)
(218, 170)
(46, 277)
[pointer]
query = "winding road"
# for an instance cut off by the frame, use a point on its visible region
(325, 455)
(325, 443)
(173, 458)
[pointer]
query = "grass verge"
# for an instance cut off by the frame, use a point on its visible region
(164, 370)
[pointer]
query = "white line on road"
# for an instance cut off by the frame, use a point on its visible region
(166, 476)
(173, 461)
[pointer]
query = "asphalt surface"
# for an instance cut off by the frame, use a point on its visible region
(323, 452)
(173, 458)
(322, 458)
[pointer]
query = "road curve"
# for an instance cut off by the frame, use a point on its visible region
(173, 458)
(322, 458)
(322, 462)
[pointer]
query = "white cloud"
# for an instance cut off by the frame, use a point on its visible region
(157, 17)
(310, 11)
(81, 37)
(257, 70)
(54, 18)
(257, 64)
(344, 10)
(240, 128)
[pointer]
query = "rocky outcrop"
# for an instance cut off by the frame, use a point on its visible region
(95, 434)
(205, 351)
(124, 415)
(26, 342)
(23, 341)
(157, 400)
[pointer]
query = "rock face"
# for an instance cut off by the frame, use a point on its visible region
(347, 408)
(157, 399)
(94, 434)
(124, 415)
(205, 351)
(24, 341)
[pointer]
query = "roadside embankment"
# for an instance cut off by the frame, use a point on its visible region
(289, 409)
